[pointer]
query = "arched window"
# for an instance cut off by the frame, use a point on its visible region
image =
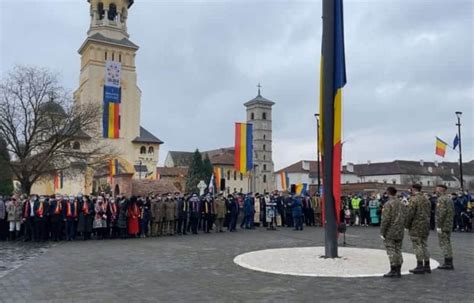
(264, 157)
(264, 116)
(264, 137)
(151, 150)
(252, 116)
(112, 12)
(235, 175)
(264, 147)
(241, 177)
(100, 10)
(76, 145)
(143, 150)
(228, 175)
(264, 167)
(264, 178)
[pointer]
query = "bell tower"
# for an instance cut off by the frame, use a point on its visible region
(108, 78)
(259, 114)
(109, 17)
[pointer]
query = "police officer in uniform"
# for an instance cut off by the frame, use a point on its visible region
(418, 225)
(444, 225)
(392, 231)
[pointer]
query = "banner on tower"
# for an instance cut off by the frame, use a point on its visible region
(112, 100)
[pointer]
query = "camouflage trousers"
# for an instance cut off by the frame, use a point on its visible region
(445, 244)
(420, 248)
(394, 251)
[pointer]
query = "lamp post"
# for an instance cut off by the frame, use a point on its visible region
(458, 114)
(317, 144)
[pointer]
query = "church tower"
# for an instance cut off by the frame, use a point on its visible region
(259, 113)
(108, 78)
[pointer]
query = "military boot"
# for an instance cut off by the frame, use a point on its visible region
(427, 267)
(392, 273)
(448, 264)
(419, 269)
(398, 271)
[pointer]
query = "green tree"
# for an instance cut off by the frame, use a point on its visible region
(207, 169)
(194, 173)
(6, 182)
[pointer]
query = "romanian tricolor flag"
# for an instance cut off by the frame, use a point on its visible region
(113, 167)
(284, 180)
(243, 161)
(333, 79)
(111, 120)
(301, 188)
(218, 174)
(440, 147)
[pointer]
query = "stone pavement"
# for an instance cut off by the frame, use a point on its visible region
(200, 269)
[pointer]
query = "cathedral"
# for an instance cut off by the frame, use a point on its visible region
(108, 78)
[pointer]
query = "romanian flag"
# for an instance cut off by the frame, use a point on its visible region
(301, 188)
(218, 173)
(111, 114)
(284, 180)
(243, 161)
(113, 167)
(440, 147)
(333, 79)
(111, 120)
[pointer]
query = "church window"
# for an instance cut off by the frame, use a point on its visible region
(112, 12)
(143, 150)
(264, 167)
(264, 116)
(235, 175)
(76, 145)
(151, 150)
(100, 9)
(264, 147)
(228, 175)
(264, 157)
(105, 56)
(394, 181)
(252, 116)
(264, 137)
(241, 176)
(120, 57)
(264, 178)
(113, 56)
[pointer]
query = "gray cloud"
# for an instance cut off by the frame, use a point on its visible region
(410, 65)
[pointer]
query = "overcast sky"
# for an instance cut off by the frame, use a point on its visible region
(410, 66)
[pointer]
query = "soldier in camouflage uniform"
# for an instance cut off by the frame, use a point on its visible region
(418, 225)
(392, 232)
(157, 214)
(444, 225)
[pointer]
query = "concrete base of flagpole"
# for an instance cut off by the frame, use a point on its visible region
(306, 261)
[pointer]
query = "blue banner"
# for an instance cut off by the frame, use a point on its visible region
(112, 94)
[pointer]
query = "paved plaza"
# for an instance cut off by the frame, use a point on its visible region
(201, 269)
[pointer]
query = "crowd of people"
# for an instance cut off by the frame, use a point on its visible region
(61, 217)
(365, 210)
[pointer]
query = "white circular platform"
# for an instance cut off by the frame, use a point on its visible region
(306, 261)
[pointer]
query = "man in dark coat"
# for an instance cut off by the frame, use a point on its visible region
(86, 217)
(56, 215)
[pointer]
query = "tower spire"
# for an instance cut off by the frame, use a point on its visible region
(259, 86)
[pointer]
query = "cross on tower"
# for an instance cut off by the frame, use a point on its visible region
(259, 86)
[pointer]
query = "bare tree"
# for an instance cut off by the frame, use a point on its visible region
(39, 121)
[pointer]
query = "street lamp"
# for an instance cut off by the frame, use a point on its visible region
(458, 115)
(317, 144)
